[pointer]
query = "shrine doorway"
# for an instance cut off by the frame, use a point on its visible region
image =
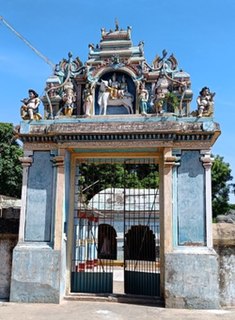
(107, 242)
(116, 227)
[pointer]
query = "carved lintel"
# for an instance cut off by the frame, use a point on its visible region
(58, 161)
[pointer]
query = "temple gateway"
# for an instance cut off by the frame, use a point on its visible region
(116, 196)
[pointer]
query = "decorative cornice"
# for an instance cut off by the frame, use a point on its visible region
(145, 130)
(63, 137)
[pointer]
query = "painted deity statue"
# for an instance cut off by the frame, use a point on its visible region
(103, 96)
(88, 100)
(68, 100)
(114, 86)
(114, 93)
(160, 93)
(29, 109)
(143, 99)
(205, 102)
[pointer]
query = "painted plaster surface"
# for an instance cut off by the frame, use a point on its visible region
(191, 281)
(191, 201)
(110, 122)
(224, 244)
(35, 275)
(67, 188)
(39, 198)
(7, 243)
(227, 275)
(9, 228)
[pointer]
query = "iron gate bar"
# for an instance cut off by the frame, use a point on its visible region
(146, 228)
(135, 278)
(141, 274)
(87, 276)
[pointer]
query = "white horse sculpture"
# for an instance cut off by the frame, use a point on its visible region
(104, 99)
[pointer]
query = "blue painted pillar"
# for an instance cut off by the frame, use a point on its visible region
(39, 204)
(191, 268)
(192, 210)
(207, 163)
(189, 200)
(38, 264)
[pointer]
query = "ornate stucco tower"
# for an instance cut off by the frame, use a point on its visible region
(117, 108)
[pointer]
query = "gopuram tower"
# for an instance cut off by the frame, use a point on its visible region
(108, 126)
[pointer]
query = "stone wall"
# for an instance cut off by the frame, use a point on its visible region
(9, 227)
(35, 274)
(201, 277)
(7, 243)
(191, 279)
(224, 245)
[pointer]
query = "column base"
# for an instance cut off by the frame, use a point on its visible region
(191, 280)
(35, 274)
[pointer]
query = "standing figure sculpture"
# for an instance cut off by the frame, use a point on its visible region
(123, 85)
(113, 93)
(160, 93)
(29, 109)
(143, 99)
(205, 102)
(88, 100)
(114, 87)
(103, 96)
(68, 100)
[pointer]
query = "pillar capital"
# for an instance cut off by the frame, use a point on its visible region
(169, 161)
(206, 159)
(58, 161)
(26, 161)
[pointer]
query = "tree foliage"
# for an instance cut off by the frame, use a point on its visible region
(10, 166)
(172, 102)
(221, 175)
(96, 177)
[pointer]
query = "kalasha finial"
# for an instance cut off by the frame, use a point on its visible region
(70, 55)
(116, 25)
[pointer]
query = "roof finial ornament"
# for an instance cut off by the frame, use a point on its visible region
(116, 24)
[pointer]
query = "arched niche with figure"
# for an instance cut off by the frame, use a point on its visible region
(115, 94)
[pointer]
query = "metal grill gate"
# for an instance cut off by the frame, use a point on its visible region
(116, 223)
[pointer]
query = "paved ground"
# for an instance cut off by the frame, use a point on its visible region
(71, 310)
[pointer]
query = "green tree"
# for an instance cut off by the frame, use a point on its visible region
(10, 166)
(172, 102)
(95, 177)
(221, 175)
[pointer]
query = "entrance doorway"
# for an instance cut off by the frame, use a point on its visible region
(107, 242)
(116, 227)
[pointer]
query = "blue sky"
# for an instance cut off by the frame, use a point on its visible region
(200, 33)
